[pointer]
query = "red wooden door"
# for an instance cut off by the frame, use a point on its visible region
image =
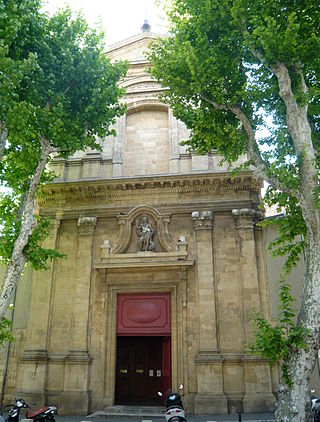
(143, 347)
(166, 383)
(139, 370)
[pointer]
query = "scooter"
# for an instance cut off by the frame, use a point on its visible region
(315, 407)
(44, 414)
(174, 407)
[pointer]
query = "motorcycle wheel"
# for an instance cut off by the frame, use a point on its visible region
(49, 419)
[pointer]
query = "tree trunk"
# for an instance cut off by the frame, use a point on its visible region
(18, 258)
(294, 404)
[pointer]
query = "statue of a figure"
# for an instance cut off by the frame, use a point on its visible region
(145, 233)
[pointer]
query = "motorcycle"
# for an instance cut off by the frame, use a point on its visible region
(44, 414)
(315, 407)
(174, 407)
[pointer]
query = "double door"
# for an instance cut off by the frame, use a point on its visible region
(142, 369)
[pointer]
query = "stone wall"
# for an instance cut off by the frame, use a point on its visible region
(147, 143)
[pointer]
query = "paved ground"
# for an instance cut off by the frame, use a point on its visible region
(261, 417)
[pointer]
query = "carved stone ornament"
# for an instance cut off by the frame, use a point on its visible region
(143, 215)
(245, 218)
(86, 225)
(202, 220)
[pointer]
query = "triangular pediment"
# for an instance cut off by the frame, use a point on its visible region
(132, 49)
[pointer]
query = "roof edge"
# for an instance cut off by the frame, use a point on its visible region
(131, 40)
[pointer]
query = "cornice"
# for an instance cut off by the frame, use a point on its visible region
(207, 357)
(135, 39)
(146, 186)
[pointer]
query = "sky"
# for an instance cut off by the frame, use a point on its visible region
(120, 19)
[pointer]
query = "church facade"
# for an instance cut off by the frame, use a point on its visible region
(164, 265)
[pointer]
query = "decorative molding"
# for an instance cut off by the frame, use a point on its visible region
(34, 355)
(86, 225)
(207, 357)
(74, 356)
(144, 101)
(144, 259)
(182, 184)
(202, 220)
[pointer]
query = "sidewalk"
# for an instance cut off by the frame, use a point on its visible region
(252, 417)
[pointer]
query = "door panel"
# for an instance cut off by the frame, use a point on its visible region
(166, 364)
(139, 370)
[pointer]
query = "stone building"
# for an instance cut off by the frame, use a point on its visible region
(164, 264)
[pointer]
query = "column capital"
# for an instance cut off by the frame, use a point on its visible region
(245, 218)
(86, 225)
(54, 227)
(202, 220)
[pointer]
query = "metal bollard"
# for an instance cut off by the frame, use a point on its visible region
(239, 416)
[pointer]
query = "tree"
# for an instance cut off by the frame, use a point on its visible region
(59, 94)
(230, 64)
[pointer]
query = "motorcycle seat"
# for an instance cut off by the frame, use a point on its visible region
(33, 413)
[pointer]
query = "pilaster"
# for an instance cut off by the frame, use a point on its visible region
(257, 376)
(32, 372)
(210, 397)
(117, 161)
(76, 384)
(244, 222)
(174, 166)
(203, 225)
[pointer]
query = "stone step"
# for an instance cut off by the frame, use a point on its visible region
(145, 411)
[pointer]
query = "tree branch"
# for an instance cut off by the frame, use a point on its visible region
(300, 132)
(261, 166)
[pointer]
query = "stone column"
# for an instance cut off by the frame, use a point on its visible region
(210, 398)
(258, 389)
(33, 369)
(76, 381)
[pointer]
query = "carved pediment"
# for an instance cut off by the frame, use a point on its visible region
(131, 226)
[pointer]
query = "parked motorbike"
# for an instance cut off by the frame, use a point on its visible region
(44, 414)
(315, 407)
(174, 407)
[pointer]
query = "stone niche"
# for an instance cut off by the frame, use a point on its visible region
(144, 239)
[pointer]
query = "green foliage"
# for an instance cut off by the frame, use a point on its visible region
(290, 241)
(276, 341)
(57, 84)
(37, 255)
(5, 331)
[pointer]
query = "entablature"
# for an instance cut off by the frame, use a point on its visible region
(149, 185)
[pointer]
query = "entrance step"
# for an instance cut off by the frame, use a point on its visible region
(144, 411)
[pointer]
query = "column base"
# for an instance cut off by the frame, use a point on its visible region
(259, 402)
(99, 403)
(31, 397)
(74, 403)
(206, 404)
